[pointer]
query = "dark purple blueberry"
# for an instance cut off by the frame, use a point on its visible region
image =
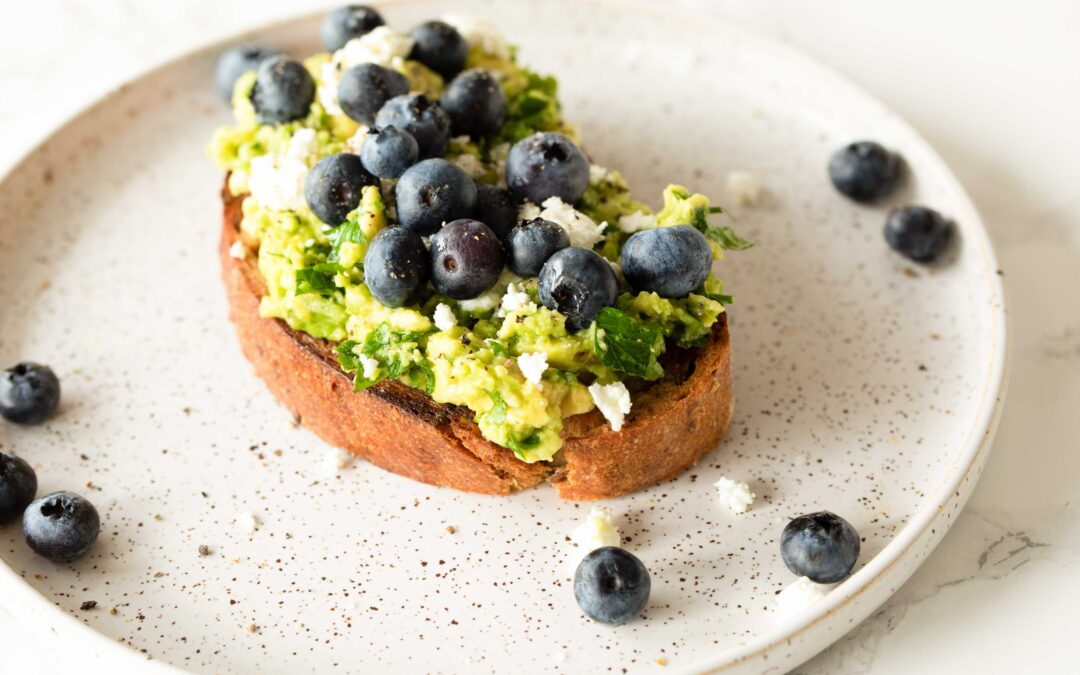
(283, 91)
(433, 192)
(466, 259)
(821, 546)
(669, 261)
(864, 171)
(421, 117)
(345, 23)
(365, 89)
(496, 209)
(18, 485)
(237, 61)
(29, 393)
(611, 585)
(475, 103)
(61, 527)
(388, 152)
(440, 47)
(578, 283)
(917, 232)
(531, 243)
(396, 266)
(547, 165)
(333, 187)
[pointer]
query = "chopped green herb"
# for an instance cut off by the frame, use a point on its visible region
(727, 239)
(348, 232)
(313, 280)
(497, 414)
(627, 345)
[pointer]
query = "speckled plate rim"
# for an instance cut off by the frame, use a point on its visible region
(894, 564)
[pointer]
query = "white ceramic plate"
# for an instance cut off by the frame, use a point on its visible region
(863, 387)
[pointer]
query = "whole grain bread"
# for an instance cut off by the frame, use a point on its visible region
(673, 421)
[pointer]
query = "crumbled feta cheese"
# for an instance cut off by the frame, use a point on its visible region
(734, 495)
(485, 302)
(532, 366)
(597, 531)
(597, 173)
(356, 141)
(277, 182)
(444, 317)
(513, 300)
(481, 34)
(637, 221)
(582, 230)
(613, 400)
(383, 46)
(743, 187)
(799, 595)
(237, 250)
(370, 366)
(470, 164)
(335, 460)
(248, 523)
(302, 144)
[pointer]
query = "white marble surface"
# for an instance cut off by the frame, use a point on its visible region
(994, 86)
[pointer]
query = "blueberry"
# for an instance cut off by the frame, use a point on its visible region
(822, 546)
(547, 165)
(611, 585)
(365, 89)
(424, 119)
(18, 485)
(333, 187)
(669, 261)
(345, 23)
(918, 232)
(388, 152)
(237, 61)
(578, 283)
(396, 266)
(439, 47)
(283, 90)
(433, 192)
(531, 243)
(496, 209)
(864, 171)
(475, 103)
(29, 393)
(466, 259)
(61, 527)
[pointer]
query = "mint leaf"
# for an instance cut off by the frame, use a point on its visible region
(522, 447)
(383, 336)
(727, 239)
(347, 358)
(314, 280)
(628, 345)
(422, 376)
(498, 348)
(348, 232)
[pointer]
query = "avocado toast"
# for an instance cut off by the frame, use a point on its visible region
(451, 290)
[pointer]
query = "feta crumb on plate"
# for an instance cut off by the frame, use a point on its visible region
(595, 532)
(237, 250)
(799, 595)
(248, 523)
(444, 317)
(744, 187)
(532, 366)
(613, 400)
(335, 460)
(734, 495)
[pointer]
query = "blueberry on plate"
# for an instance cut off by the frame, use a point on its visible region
(440, 47)
(864, 171)
(29, 393)
(669, 261)
(531, 243)
(578, 283)
(345, 23)
(396, 266)
(334, 186)
(821, 546)
(466, 259)
(61, 527)
(237, 61)
(433, 192)
(611, 585)
(18, 485)
(421, 117)
(475, 103)
(283, 90)
(365, 89)
(496, 209)
(917, 232)
(388, 152)
(545, 165)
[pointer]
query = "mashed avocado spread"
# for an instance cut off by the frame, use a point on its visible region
(503, 354)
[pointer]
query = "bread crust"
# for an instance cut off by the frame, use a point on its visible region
(673, 422)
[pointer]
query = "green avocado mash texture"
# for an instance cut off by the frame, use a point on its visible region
(314, 276)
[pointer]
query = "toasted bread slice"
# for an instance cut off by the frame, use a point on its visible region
(673, 422)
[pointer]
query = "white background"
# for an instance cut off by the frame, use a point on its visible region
(994, 85)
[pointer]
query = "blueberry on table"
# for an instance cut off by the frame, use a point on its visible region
(283, 90)
(345, 23)
(495, 208)
(821, 546)
(388, 152)
(917, 232)
(334, 186)
(61, 527)
(18, 486)
(466, 259)
(440, 47)
(29, 393)
(433, 192)
(476, 104)
(237, 61)
(864, 171)
(531, 243)
(611, 585)
(544, 165)
(421, 117)
(365, 89)
(669, 261)
(396, 266)
(577, 283)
